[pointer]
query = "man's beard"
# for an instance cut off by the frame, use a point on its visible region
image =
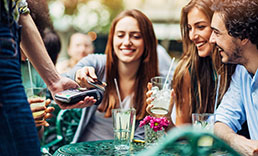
(236, 57)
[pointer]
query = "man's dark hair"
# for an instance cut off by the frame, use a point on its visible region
(240, 18)
(52, 43)
(40, 14)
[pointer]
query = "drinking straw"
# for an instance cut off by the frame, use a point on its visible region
(30, 75)
(217, 94)
(118, 93)
(169, 70)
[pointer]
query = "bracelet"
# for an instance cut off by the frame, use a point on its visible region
(23, 7)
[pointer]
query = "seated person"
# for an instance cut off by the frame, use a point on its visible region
(195, 77)
(40, 120)
(238, 44)
(79, 46)
(131, 58)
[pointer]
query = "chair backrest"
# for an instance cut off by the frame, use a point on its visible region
(187, 141)
(66, 124)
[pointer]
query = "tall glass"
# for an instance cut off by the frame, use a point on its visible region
(39, 93)
(123, 126)
(162, 94)
(206, 122)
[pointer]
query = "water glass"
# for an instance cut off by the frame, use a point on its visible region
(162, 94)
(40, 93)
(123, 126)
(206, 122)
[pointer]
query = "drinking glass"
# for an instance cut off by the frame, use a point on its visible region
(162, 94)
(40, 93)
(123, 126)
(206, 122)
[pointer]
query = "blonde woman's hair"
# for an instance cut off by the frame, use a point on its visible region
(203, 70)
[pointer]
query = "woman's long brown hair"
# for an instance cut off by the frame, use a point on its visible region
(203, 71)
(148, 66)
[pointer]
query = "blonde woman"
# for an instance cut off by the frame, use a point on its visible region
(195, 77)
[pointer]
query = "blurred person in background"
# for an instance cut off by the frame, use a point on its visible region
(164, 61)
(79, 46)
(52, 43)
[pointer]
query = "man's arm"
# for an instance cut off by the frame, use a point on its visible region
(230, 115)
(238, 142)
(34, 49)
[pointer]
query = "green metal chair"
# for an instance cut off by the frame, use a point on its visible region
(66, 124)
(183, 141)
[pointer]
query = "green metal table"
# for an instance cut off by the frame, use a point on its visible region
(106, 147)
(103, 147)
(178, 142)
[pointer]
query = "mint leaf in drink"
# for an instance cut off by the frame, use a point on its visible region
(204, 124)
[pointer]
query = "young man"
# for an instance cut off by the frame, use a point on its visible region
(235, 33)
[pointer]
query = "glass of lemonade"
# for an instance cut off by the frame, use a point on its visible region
(206, 122)
(162, 94)
(123, 126)
(40, 93)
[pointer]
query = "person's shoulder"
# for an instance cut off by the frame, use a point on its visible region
(95, 60)
(62, 66)
(161, 49)
(240, 70)
(65, 61)
(241, 76)
(240, 67)
(97, 57)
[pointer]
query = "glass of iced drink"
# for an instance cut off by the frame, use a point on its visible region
(37, 93)
(206, 122)
(123, 126)
(162, 94)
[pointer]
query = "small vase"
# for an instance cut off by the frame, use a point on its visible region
(152, 137)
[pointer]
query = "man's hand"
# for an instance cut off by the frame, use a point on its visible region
(241, 144)
(245, 146)
(248, 147)
(65, 83)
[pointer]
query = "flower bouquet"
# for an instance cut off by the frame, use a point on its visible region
(154, 128)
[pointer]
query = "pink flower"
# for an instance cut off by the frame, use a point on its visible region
(145, 121)
(156, 124)
(164, 122)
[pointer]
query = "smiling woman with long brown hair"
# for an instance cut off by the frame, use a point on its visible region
(131, 58)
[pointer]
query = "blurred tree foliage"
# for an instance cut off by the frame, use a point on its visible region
(84, 15)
